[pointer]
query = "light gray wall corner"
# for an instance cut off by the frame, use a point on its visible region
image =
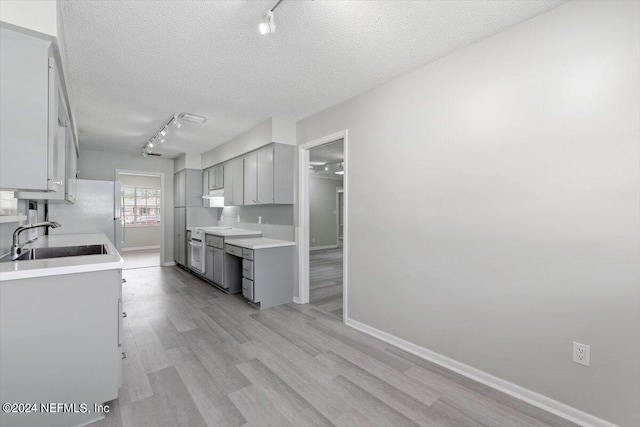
(512, 186)
(100, 165)
(179, 163)
(283, 130)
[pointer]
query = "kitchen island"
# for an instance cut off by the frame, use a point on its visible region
(61, 331)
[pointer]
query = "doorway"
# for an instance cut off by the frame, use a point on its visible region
(141, 200)
(322, 232)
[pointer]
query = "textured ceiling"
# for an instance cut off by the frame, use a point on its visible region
(134, 63)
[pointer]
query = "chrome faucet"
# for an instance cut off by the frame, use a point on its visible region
(16, 248)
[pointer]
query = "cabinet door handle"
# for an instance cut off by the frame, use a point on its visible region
(124, 314)
(124, 280)
(124, 355)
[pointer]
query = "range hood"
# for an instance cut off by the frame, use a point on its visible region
(215, 198)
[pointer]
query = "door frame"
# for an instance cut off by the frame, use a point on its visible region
(302, 231)
(338, 191)
(163, 213)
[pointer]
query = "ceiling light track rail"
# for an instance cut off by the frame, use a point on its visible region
(176, 120)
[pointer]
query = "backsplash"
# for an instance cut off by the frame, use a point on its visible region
(276, 220)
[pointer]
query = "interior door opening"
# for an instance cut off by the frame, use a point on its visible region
(325, 192)
(142, 217)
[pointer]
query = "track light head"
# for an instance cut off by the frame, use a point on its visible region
(268, 25)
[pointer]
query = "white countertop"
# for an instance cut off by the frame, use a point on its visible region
(64, 265)
(228, 232)
(261, 243)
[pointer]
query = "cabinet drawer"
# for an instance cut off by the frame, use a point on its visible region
(233, 250)
(247, 269)
(247, 289)
(247, 253)
(215, 241)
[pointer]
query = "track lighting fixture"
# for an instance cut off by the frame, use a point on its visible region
(268, 25)
(176, 120)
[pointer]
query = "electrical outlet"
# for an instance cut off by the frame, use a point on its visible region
(238, 218)
(259, 219)
(313, 240)
(581, 354)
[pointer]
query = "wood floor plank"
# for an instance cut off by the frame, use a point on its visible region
(152, 353)
(271, 320)
(483, 390)
(293, 406)
(214, 405)
(135, 384)
(167, 333)
(404, 403)
(379, 412)
(217, 361)
(257, 409)
(173, 400)
(482, 409)
(338, 411)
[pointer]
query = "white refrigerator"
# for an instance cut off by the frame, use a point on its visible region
(96, 211)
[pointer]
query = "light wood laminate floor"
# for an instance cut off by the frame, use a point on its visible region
(325, 280)
(141, 259)
(198, 357)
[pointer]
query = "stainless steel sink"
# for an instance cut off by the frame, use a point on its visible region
(58, 252)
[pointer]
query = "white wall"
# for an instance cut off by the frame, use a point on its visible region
(511, 221)
(101, 165)
(323, 211)
(36, 15)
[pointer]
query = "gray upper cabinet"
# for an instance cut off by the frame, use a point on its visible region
(216, 177)
(29, 115)
(268, 175)
(233, 183)
(65, 159)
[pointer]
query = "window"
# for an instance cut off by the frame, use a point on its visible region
(140, 205)
(8, 203)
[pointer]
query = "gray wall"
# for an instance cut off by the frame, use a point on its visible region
(101, 165)
(323, 211)
(512, 193)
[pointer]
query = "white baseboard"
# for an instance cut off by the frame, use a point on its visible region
(296, 300)
(168, 264)
(553, 406)
(140, 248)
(317, 248)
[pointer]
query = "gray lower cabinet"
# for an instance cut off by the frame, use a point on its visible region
(61, 339)
(209, 267)
(267, 274)
(218, 266)
(188, 249)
